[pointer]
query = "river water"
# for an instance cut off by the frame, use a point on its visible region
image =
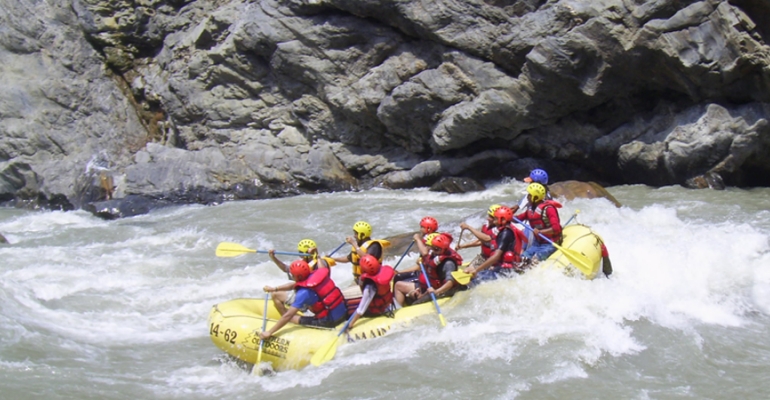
(94, 309)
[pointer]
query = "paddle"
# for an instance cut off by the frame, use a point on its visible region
(403, 255)
(572, 217)
(326, 352)
(580, 261)
(337, 249)
(262, 341)
(460, 239)
(462, 277)
(227, 249)
(433, 296)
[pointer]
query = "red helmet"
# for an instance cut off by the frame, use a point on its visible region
(370, 265)
(503, 215)
(430, 224)
(441, 241)
(300, 269)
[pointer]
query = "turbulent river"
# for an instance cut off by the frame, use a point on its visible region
(93, 309)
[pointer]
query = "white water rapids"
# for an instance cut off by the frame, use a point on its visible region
(94, 309)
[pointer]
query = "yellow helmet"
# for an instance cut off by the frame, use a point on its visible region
(430, 237)
(537, 191)
(492, 209)
(305, 245)
(362, 229)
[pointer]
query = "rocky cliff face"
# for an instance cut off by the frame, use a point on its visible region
(207, 101)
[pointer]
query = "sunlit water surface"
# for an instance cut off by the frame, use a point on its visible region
(94, 309)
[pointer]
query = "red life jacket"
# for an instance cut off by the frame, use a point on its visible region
(486, 248)
(329, 294)
(539, 220)
(384, 296)
(432, 265)
(511, 257)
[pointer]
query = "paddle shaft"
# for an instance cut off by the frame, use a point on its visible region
(571, 218)
(327, 351)
(337, 249)
(285, 253)
(264, 326)
(404, 255)
(347, 324)
(433, 296)
(527, 227)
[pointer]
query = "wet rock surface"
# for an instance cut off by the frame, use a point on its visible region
(203, 102)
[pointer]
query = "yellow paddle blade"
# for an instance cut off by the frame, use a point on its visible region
(227, 249)
(580, 261)
(332, 262)
(441, 318)
(256, 370)
(326, 352)
(462, 277)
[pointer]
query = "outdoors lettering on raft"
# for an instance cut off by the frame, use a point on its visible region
(274, 346)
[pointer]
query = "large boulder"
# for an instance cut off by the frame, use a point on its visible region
(585, 190)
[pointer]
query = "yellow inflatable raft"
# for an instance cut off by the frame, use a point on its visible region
(234, 325)
(582, 240)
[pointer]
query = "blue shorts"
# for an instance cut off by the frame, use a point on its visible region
(541, 250)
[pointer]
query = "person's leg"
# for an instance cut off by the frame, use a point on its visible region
(400, 289)
(544, 250)
(280, 299)
(527, 254)
(478, 260)
(530, 238)
(486, 275)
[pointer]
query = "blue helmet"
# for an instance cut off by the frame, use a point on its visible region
(539, 176)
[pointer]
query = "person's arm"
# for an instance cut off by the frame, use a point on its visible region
(504, 241)
(346, 258)
(475, 243)
(281, 288)
(354, 246)
(279, 263)
(290, 313)
(553, 216)
(480, 235)
(421, 247)
(366, 298)
(492, 260)
(449, 267)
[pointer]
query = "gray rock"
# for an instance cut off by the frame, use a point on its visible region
(200, 101)
(457, 185)
(698, 141)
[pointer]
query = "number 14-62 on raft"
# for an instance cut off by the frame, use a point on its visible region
(229, 334)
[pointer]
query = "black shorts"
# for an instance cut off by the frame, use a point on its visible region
(407, 276)
(324, 322)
